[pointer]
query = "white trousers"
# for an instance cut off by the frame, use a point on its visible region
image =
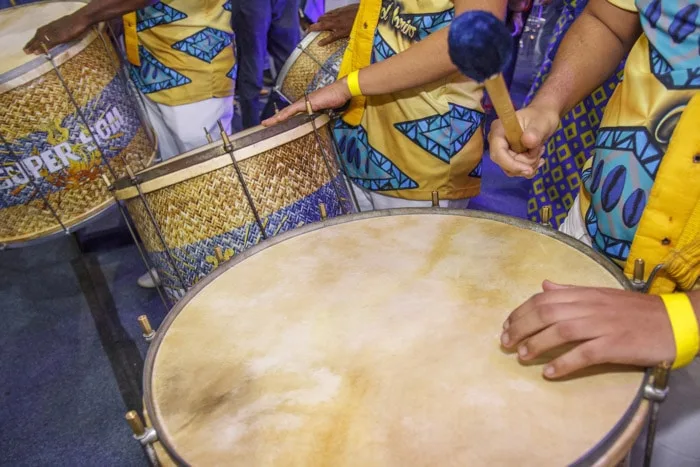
(678, 431)
(373, 201)
(180, 128)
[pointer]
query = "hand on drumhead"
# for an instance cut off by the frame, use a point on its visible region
(330, 97)
(606, 326)
(58, 32)
(538, 126)
(337, 22)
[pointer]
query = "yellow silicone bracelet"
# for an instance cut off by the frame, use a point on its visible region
(685, 327)
(354, 83)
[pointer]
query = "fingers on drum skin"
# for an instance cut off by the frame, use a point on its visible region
(587, 354)
(557, 335)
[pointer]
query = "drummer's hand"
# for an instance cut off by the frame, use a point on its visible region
(330, 97)
(338, 22)
(58, 32)
(538, 126)
(610, 326)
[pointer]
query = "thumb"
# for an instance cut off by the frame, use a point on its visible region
(536, 132)
(549, 285)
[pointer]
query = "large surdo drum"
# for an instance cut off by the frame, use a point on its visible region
(373, 340)
(66, 120)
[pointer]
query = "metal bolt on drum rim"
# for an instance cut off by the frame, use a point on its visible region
(588, 459)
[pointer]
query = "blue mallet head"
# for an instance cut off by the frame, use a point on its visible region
(480, 45)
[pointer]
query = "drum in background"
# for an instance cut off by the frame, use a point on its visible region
(200, 207)
(47, 151)
(310, 67)
(373, 339)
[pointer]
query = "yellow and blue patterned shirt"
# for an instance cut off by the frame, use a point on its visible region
(661, 76)
(186, 49)
(409, 144)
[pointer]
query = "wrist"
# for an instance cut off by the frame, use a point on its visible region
(344, 89)
(81, 19)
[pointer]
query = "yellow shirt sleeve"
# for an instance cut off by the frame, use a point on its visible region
(624, 4)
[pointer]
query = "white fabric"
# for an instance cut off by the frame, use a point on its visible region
(573, 225)
(678, 431)
(373, 201)
(180, 128)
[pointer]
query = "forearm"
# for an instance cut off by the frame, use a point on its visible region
(425, 62)
(104, 10)
(590, 52)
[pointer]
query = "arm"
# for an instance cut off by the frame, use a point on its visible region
(579, 66)
(74, 25)
(601, 325)
(594, 46)
(423, 63)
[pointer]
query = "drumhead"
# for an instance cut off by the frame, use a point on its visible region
(19, 24)
(373, 339)
(212, 157)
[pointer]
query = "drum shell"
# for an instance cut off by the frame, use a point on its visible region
(303, 71)
(201, 210)
(41, 125)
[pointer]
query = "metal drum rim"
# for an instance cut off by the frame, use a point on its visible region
(588, 458)
(303, 124)
(60, 54)
(298, 50)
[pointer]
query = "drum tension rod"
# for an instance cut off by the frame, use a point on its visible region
(655, 391)
(228, 147)
(145, 436)
(146, 329)
(436, 199)
(208, 135)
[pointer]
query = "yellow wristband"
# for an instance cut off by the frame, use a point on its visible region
(354, 83)
(685, 327)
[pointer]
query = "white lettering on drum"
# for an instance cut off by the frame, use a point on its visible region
(61, 155)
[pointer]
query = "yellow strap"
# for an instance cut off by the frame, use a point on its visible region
(669, 230)
(358, 54)
(685, 327)
(354, 83)
(131, 39)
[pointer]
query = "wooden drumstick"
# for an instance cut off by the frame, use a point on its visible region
(480, 45)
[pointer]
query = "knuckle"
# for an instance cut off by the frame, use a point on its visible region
(546, 313)
(590, 354)
(566, 331)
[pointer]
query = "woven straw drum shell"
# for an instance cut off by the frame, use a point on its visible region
(310, 66)
(60, 163)
(200, 206)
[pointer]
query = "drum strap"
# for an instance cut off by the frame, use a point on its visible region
(669, 231)
(131, 39)
(358, 54)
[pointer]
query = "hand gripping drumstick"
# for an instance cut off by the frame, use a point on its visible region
(481, 47)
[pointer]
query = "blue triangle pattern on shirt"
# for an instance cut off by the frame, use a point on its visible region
(427, 24)
(478, 170)
(205, 44)
(228, 6)
(443, 135)
(366, 166)
(381, 49)
(233, 73)
(155, 15)
(687, 78)
(153, 76)
(636, 140)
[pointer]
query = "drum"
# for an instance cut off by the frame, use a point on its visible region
(195, 212)
(373, 340)
(310, 67)
(64, 119)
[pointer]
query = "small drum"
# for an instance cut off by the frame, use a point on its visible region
(310, 67)
(52, 153)
(195, 212)
(373, 340)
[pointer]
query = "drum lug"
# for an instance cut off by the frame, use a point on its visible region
(146, 330)
(546, 216)
(436, 199)
(145, 436)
